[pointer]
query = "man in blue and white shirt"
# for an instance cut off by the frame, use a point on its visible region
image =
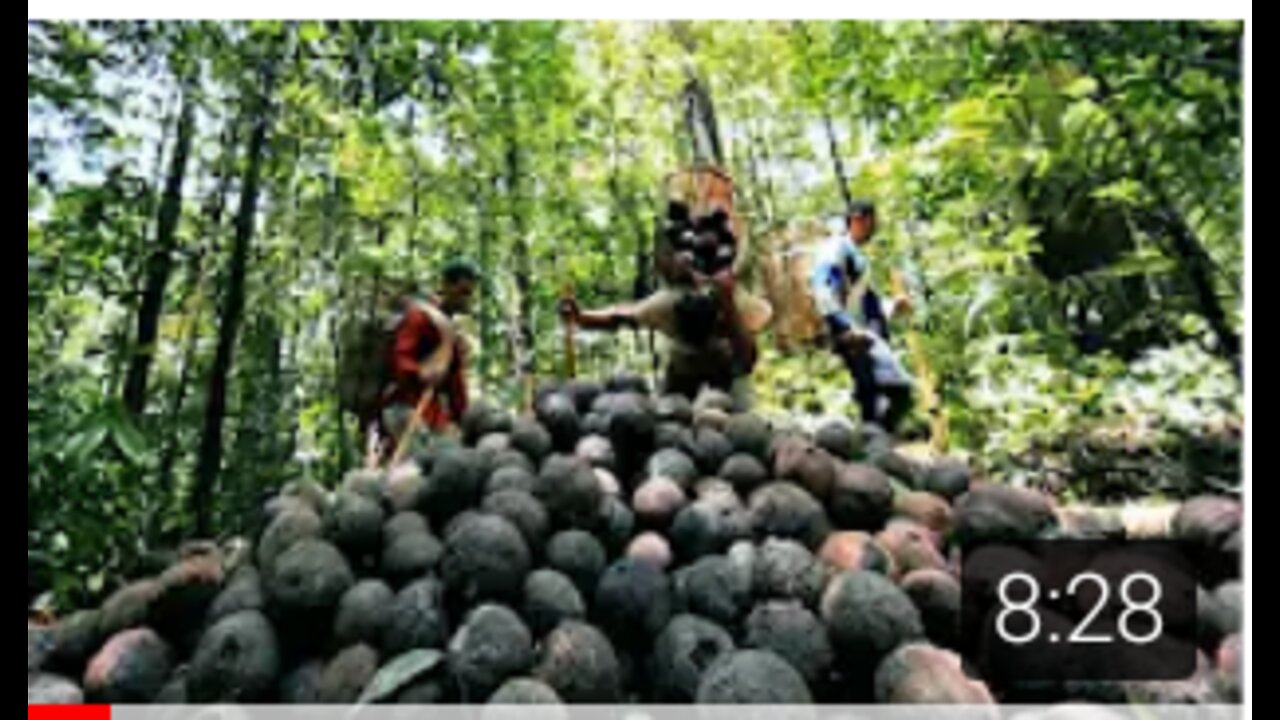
(841, 279)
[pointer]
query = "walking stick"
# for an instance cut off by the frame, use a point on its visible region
(415, 424)
(926, 380)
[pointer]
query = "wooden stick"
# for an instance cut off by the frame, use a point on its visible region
(530, 392)
(570, 340)
(926, 380)
(415, 423)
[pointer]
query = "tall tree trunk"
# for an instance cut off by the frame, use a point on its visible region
(523, 262)
(822, 98)
(335, 341)
(482, 188)
(701, 122)
(191, 345)
(415, 209)
(837, 160)
(296, 274)
(211, 226)
(762, 193)
(211, 447)
(160, 262)
(254, 464)
(337, 210)
(488, 343)
(526, 349)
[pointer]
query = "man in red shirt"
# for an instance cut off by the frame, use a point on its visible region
(429, 354)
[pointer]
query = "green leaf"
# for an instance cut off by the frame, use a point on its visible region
(1081, 88)
(1143, 263)
(266, 27)
(1082, 116)
(1022, 241)
(131, 442)
(1125, 192)
(312, 32)
(401, 674)
(971, 114)
(85, 444)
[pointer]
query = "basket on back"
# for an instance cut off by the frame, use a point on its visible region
(705, 190)
(787, 266)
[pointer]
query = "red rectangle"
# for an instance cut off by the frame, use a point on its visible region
(69, 712)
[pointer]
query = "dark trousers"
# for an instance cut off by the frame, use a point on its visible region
(867, 393)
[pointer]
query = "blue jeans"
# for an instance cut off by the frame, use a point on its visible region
(868, 390)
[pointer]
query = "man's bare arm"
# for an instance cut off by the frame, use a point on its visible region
(607, 319)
